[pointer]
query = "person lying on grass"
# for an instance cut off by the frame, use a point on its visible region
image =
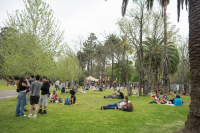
(73, 97)
(128, 106)
(114, 95)
(115, 105)
(53, 97)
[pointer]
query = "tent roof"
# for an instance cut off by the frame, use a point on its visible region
(92, 78)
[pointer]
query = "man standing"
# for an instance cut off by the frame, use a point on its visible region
(57, 84)
(34, 95)
(28, 89)
(44, 95)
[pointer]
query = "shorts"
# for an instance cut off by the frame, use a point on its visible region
(43, 100)
(34, 100)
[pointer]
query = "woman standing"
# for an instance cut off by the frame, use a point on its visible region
(21, 98)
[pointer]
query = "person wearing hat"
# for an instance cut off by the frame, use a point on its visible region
(44, 95)
(53, 97)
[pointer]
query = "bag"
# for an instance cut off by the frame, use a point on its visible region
(17, 90)
(60, 100)
(67, 101)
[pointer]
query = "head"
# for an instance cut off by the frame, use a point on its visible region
(118, 91)
(104, 96)
(126, 99)
(54, 92)
(37, 77)
(44, 78)
(165, 93)
(157, 94)
(72, 92)
(21, 80)
(31, 76)
(177, 96)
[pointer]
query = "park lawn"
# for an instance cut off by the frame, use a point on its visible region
(88, 117)
(3, 86)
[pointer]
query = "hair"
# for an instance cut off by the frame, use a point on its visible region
(37, 77)
(126, 98)
(104, 96)
(177, 96)
(118, 91)
(31, 75)
(21, 80)
(72, 92)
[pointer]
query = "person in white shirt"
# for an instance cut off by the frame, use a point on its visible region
(115, 105)
(57, 84)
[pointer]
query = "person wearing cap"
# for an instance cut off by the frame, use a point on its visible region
(53, 97)
(44, 95)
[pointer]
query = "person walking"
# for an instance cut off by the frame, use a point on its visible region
(44, 95)
(34, 96)
(21, 98)
(57, 84)
(31, 80)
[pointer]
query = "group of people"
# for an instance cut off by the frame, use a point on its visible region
(177, 101)
(114, 95)
(30, 90)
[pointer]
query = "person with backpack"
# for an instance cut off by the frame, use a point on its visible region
(53, 97)
(31, 80)
(44, 95)
(34, 96)
(73, 97)
(21, 98)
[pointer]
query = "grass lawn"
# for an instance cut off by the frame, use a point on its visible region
(88, 117)
(3, 86)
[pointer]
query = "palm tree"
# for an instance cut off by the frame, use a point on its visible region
(156, 51)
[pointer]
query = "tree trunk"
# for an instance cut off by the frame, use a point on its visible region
(192, 125)
(149, 71)
(112, 68)
(91, 68)
(88, 67)
(165, 58)
(123, 59)
(156, 80)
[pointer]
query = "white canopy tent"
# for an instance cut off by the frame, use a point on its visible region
(92, 78)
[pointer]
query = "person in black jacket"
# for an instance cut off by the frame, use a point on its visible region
(44, 95)
(121, 95)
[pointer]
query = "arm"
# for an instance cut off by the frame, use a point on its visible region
(27, 84)
(29, 95)
(72, 99)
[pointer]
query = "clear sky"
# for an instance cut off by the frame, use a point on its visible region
(81, 17)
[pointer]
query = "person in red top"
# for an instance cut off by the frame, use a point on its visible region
(53, 97)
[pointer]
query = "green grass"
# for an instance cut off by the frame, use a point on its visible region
(3, 86)
(88, 117)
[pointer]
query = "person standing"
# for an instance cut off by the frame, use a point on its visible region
(31, 80)
(21, 98)
(34, 96)
(57, 84)
(44, 95)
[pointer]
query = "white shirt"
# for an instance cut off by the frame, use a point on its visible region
(122, 103)
(57, 82)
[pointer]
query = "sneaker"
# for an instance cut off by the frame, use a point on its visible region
(30, 115)
(102, 107)
(34, 116)
(45, 112)
(22, 115)
(40, 111)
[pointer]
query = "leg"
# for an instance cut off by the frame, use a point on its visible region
(36, 109)
(111, 106)
(31, 108)
(27, 95)
(22, 103)
(17, 107)
(40, 103)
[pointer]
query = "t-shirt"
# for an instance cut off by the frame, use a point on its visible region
(53, 96)
(122, 103)
(165, 98)
(35, 88)
(74, 97)
(177, 102)
(58, 83)
(121, 95)
(45, 88)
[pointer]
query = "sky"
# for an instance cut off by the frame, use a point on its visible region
(81, 17)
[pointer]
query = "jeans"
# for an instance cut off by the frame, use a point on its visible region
(111, 106)
(21, 102)
(27, 95)
(57, 87)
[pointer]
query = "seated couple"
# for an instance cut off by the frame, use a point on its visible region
(82, 90)
(124, 105)
(177, 101)
(53, 97)
(100, 89)
(162, 100)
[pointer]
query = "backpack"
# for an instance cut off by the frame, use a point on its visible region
(67, 101)
(60, 100)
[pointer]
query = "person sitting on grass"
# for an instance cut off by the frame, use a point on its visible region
(53, 97)
(83, 90)
(114, 95)
(177, 101)
(121, 95)
(128, 106)
(165, 98)
(157, 98)
(63, 90)
(73, 97)
(8, 84)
